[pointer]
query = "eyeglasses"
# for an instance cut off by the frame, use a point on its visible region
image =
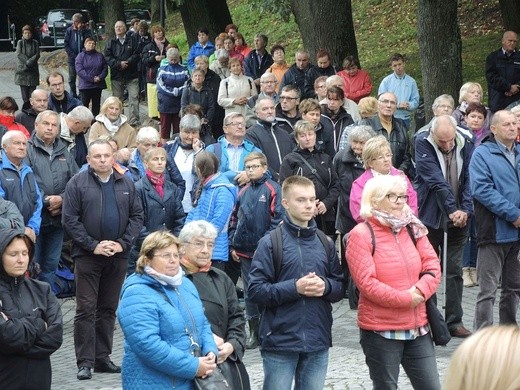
(199, 245)
(445, 107)
(387, 156)
(237, 124)
(386, 101)
(288, 98)
(394, 198)
(267, 82)
(252, 167)
(167, 256)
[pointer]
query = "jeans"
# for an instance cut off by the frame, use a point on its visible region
(497, 261)
(98, 285)
(457, 237)
(469, 258)
(118, 88)
(251, 308)
(383, 357)
(47, 252)
(308, 369)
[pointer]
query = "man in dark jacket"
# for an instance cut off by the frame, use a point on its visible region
(287, 112)
(295, 75)
(38, 102)
(53, 167)
(442, 158)
(324, 68)
(258, 60)
(74, 39)
(296, 325)
(102, 214)
(503, 73)
(267, 135)
(122, 55)
(59, 99)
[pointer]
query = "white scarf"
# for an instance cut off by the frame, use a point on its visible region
(174, 281)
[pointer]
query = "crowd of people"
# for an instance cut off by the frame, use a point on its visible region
(255, 170)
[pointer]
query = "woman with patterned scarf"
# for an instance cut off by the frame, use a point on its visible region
(396, 270)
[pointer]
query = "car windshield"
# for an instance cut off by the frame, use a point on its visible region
(57, 16)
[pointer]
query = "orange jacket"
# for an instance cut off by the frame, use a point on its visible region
(356, 87)
(9, 122)
(385, 278)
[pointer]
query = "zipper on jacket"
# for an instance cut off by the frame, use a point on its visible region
(407, 271)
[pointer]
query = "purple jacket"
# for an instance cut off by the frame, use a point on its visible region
(90, 64)
(359, 184)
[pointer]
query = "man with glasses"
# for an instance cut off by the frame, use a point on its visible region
(257, 211)
(102, 215)
(269, 137)
(394, 130)
(232, 148)
(442, 158)
(287, 113)
(59, 99)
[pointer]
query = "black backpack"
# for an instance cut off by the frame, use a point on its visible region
(276, 240)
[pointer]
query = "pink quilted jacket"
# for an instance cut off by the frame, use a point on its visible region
(384, 279)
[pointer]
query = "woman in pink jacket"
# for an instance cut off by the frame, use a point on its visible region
(396, 270)
(377, 157)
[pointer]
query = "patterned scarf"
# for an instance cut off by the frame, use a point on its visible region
(397, 223)
(157, 182)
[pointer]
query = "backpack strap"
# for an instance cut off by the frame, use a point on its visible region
(408, 229)
(276, 241)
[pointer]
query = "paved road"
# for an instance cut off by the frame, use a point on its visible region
(347, 369)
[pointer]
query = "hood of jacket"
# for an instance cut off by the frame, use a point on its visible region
(6, 236)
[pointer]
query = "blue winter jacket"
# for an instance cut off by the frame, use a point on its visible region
(430, 182)
(157, 348)
(292, 322)
(257, 211)
(215, 205)
(21, 188)
(197, 50)
(495, 187)
(222, 155)
(170, 83)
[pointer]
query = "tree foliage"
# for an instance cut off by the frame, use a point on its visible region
(440, 48)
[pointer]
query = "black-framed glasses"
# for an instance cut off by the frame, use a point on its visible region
(287, 98)
(394, 198)
(386, 101)
(252, 167)
(237, 124)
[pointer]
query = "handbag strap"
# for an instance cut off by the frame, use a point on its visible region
(192, 335)
(313, 170)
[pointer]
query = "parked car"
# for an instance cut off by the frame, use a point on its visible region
(141, 14)
(52, 33)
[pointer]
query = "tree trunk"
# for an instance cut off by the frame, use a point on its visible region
(510, 9)
(212, 14)
(440, 48)
(113, 11)
(326, 24)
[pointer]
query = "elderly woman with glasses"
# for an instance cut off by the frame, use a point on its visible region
(396, 270)
(218, 295)
(168, 340)
(377, 159)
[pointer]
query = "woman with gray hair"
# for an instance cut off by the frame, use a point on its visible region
(221, 65)
(218, 295)
(181, 153)
(170, 83)
(147, 138)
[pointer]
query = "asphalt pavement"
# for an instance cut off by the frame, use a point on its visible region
(347, 368)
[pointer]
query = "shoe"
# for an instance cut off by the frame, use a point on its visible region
(460, 332)
(466, 277)
(84, 373)
(473, 275)
(107, 367)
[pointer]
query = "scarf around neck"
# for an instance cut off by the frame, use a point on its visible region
(194, 268)
(165, 280)
(397, 223)
(157, 182)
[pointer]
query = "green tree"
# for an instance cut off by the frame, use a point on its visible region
(113, 11)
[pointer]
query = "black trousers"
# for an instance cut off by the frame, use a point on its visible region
(91, 95)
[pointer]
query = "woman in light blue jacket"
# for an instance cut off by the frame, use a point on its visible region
(168, 340)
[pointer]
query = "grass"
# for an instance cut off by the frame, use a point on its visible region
(382, 27)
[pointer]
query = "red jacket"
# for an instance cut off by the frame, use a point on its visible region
(356, 87)
(10, 124)
(385, 278)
